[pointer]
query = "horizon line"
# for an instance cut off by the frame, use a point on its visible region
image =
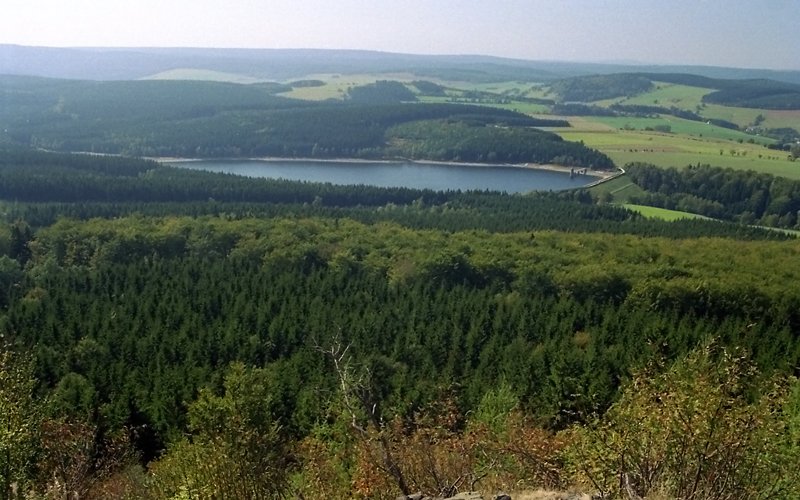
(395, 53)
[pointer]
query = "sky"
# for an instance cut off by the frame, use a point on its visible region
(738, 33)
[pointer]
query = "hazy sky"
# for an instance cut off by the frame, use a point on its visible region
(743, 33)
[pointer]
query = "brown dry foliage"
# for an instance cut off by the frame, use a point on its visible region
(437, 454)
(76, 462)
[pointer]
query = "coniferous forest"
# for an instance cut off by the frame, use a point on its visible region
(169, 333)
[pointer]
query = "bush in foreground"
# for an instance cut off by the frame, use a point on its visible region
(706, 428)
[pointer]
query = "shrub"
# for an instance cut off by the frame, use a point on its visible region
(705, 428)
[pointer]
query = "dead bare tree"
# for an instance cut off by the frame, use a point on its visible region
(362, 409)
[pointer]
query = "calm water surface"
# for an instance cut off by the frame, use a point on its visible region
(411, 175)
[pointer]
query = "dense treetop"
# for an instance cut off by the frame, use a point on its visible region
(744, 196)
(599, 87)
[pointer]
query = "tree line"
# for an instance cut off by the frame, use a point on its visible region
(743, 196)
(46, 185)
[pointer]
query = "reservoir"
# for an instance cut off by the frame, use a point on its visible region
(436, 176)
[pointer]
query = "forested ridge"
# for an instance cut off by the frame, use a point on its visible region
(169, 332)
(214, 120)
(599, 87)
(443, 140)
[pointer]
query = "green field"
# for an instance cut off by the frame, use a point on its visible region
(675, 150)
(668, 95)
(665, 159)
(661, 213)
(625, 139)
(691, 98)
(773, 118)
(620, 188)
(336, 86)
(680, 126)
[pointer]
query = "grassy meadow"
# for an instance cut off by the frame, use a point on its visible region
(773, 118)
(661, 213)
(691, 98)
(620, 189)
(676, 149)
(679, 126)
(336, 85)
(666, 95)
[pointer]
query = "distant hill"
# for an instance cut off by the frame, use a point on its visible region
(215, 119)
(284, 64)
(748, 93)
(598, 87)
